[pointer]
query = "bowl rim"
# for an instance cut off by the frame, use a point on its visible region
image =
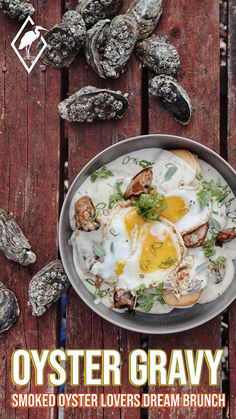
(95, 307)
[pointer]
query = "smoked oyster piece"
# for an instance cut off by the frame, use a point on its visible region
(158, 55)
(94, 45)
(147, 14)
(13, 242)
(85, 213)
(46, 287)
(9, 308)
(94, 10)
(64, 40)
(121, 39)
(91, 103)
(17, 9)
(173, 96)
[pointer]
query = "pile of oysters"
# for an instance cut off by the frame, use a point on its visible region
(108, 43)
(46, 287)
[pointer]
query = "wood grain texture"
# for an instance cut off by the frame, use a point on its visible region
(29, 166)
(193, 29)
(85, 141)
(232, 160)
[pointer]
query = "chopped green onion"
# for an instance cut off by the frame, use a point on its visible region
(112, 231)
(101, 205)
(231, 215)
(155, 246)
(168, 262)
(91, 281)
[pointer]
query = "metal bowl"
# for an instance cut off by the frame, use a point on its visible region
(179, 319)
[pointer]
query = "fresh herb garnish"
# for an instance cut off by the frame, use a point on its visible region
(208, 247)
(155, 246)
(117, 196)
(150, 206)
(199, 176)
(104, 173)
(215, 190)
(171, 169)
(218, 263)
(202, 267)
(165, 264)
(84, 257)
(91, 281)
(98, 250)
(112, 231)
(112, 247)
(145, 302)
(141, 276)
(159, 293)
(100, 293)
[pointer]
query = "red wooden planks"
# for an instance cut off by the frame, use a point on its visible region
(232, 160)
(85, 141)
(193, 29)
(29, 165)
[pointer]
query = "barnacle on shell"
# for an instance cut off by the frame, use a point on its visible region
(147, 14)
(13, 242)
(17, 9)
(9, 308)
(91, 103)
(94, 45)
(46, 287)
(64, 40)
(158, 55)
(94, 10)
(173, 96)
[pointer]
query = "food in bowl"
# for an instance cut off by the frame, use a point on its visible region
(154, 230)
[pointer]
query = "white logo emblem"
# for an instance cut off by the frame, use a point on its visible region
(27, 41)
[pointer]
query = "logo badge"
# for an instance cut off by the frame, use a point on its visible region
(25, 44)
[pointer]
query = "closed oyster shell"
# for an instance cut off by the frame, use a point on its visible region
(46, 287)
(121, 39)
(173, 96)
(158, 55)
(13, 242)
(91, 103)
(64, 40)
(17, 9)
(9, 308)
(94, 45)
(147, 14)
(94, 10)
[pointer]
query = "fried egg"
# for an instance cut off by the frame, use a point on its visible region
(184, 210)
(138, 252)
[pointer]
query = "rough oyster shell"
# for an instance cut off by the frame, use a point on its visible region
(64, 40)
(94, 45)
(121, 39)
(147, 14)
(9, 308)
(91, 103)
(94, 10)
(158, 55)
(17, 9)
(173, 96)
(46, 287)
(13, 242)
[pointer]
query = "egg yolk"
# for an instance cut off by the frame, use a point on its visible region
(155, 251)
(175, 208)
(119, 267)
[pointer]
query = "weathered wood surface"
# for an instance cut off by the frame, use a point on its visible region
(29, 184)
(232, 160)
(193, 29)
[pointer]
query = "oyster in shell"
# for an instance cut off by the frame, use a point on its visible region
(91, 103)
(46, 287)
(121, 39)
(94, 10)
(64, 40)
(158, 55)
(17, 9)
(173, 96)
(13, 242)
(94, 45)
(147, 14)
(9, 308)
